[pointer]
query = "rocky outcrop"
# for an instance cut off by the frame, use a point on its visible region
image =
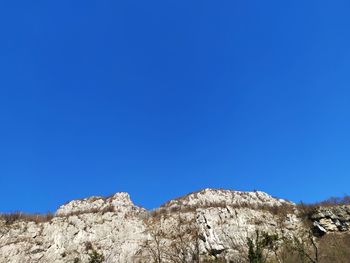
(210, 198)
(331, 219)
(205, 224)
(73, 233)
(117, 202)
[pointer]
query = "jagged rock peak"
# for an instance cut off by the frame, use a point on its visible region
(214, 197)
(96, 203)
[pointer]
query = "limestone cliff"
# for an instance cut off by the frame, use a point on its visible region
(209, 224)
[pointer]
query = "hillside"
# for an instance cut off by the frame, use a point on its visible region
(206, 226)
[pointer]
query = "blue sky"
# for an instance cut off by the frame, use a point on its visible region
(160, 98)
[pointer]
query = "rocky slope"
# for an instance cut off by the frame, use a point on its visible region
(201, 226)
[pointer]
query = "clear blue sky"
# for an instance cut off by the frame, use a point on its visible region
(160, 98)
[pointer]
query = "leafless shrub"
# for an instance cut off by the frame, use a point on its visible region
(278, 210)
(307, 247)
(335, 248)
(176, 244)
(184, 246)
(11, 218)
(334, 201)
(309, 209)
(107, 209)
(305, 212)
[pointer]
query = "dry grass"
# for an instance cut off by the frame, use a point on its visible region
(107, 209)
(11, 218)
(330, 202)
(335, 248)
(307, 210)
(281, 210)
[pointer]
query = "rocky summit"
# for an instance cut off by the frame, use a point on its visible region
(205, 226)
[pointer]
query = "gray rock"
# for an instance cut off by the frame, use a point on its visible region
(221, 220)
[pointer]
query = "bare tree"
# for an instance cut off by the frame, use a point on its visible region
(174, 242)
(184, 244)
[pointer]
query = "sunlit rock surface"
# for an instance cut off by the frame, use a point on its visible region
(213, 223)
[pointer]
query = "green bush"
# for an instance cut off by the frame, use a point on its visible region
(263, 241)
(96, 257)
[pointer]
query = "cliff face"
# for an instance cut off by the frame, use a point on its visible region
(331, 219)
(202, 225)
(113, 225)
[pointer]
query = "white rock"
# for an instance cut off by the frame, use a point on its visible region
(117, 228)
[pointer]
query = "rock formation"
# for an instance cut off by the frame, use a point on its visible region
(209, 224)
(332, 219)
